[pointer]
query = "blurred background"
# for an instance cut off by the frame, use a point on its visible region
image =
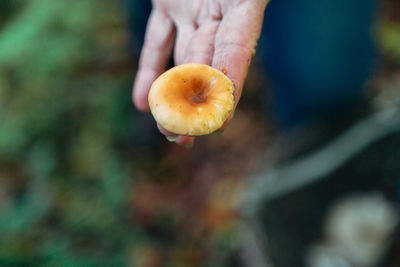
(307, 173)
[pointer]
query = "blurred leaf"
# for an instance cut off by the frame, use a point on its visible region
(390, 40)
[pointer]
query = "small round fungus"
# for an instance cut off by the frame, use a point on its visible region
(192, 99)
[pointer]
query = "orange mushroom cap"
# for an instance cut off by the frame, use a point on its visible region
(191, 99)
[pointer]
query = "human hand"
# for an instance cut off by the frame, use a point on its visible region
(220, 33)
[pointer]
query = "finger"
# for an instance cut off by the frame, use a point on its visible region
(236, 40)
(186, 141)
(165, 131)
(172, 137)
(201, 47)
(154, 56)
(184, 35)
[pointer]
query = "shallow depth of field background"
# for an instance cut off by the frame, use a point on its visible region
(87, 180)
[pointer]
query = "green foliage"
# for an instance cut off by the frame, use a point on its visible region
(64, 110)
(390, 40)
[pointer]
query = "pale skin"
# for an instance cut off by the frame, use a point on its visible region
(219, 33)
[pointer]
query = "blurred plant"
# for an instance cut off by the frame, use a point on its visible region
(389, 31)
(358, 229)
(65, 113)
(390, 39)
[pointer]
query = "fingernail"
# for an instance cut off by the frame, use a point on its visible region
(171, 138)
(217, 133)
(188, 146)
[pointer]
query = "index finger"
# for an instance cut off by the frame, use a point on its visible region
(236, 40)
(154, 56)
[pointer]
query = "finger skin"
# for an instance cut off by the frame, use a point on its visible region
(165, 131)
(236, 41)
(181, 140)
(154, 56)
(201, 47)
(185, 140)
(184, 35)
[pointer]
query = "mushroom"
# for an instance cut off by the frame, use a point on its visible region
(191, 99)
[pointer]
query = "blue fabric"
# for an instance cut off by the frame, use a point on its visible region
(318, 55)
